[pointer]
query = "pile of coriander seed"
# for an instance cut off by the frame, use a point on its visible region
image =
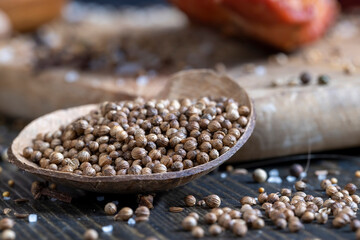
(142, 137)
(286, 210)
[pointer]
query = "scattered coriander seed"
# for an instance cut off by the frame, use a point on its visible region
(296, 170)
(325, 183)
(110, 208)
(197, 232)
(355, 198)
(300, 186)
(11, 183)
(240, 229)
(6, 211)
(261, 190)
(263, 197)
(321, 217)
(91, 234)
(331, 190)
(194, 215)
(338, 222)
(351, 188)
(213, 201)
(259, 175)
(142, 211)
(189, 223)
(190, 200)
(124, 214)
(210, 218)
(358, 234)
(215, 230)
(305, 78)
(6, 194)
(323, 79)
(6, 223)
(273, 197)
(8, 234)
(176, 209)
(258, 223)
(281, 223)
(295, 226)
(355, 225)
(357, 174)
(229, 168)
(307, 217)
(334, 180)
(248, 200)
(285, 192)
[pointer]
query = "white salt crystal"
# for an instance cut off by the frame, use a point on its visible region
(321, 177)
(6, 54)
(107, 229)
(290, 178)
(71, 76)
(223, 175)
(7, 198)
(303, 174)
(142, 80)
(131, 222)
(274, 179)
(32, 218)
(273, 172)
(260, 70)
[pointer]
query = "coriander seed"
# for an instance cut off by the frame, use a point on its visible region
(110, 208)
(281, 223)
(6, 194)
(91, 234)
(258, 223)
(197, 232)
(261, 190)
(142, 211)
(8, 234)
(124, 214)
(213, 201)
(6, 223)
(355, 225)
(300, 186)
(210, 218)
(325, 183)
(190, 201)
(285, 192)
(334, 180)
(307, 217)
(189, 223)
(351, 188)
(194, 215)
(248, 200)
(357, 174)
(215, 230)
(259, 175)
(240, 229)
(273, 197)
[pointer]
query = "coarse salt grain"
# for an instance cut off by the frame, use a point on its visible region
(71, 76)
(273, 172)
(303, 174)
(131, 222)
(260, 70)
(7, 198)
(274, 179)
(290, 178)
(107, 229)
(142, 80)
(32, 218)
(223, 175)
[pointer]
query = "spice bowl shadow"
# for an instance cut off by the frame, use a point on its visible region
(185, 84)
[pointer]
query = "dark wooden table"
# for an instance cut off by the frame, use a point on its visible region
(58, 220)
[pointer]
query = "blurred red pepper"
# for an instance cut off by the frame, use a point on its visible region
(285, 24)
